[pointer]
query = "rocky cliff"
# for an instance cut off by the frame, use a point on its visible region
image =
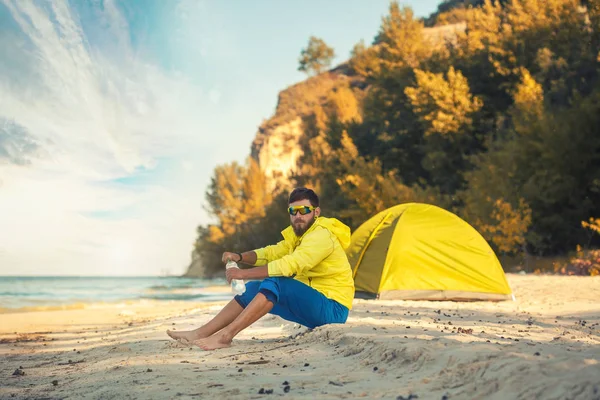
(275, 146)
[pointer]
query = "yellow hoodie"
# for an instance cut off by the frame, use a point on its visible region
(317, 258)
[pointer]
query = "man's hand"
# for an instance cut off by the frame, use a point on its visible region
(227, 256)
(234, 273)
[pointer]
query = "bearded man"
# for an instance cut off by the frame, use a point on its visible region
(305, 278)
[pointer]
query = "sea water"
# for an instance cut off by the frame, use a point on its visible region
(25, 293)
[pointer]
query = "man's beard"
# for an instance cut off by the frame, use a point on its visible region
(299, 230)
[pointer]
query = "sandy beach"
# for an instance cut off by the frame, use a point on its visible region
(544, 345)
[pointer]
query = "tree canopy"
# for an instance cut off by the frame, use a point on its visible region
(499, 123)
(316, 56)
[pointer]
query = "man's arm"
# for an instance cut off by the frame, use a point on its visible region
(256, 273)
(248, 257)
(261, 256)
(251, 273)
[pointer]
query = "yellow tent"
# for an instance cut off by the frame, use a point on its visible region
(420, 251)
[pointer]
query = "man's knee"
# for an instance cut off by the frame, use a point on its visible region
(245, 298)
(272, 297)
(271, 288)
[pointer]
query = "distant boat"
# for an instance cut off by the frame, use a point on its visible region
(165, 272)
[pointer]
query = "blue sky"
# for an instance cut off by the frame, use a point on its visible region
(113, 115)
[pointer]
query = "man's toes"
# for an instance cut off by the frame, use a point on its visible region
(178, 337)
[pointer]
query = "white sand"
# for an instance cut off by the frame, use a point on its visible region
(545, 345)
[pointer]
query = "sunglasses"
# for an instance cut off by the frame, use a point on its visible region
(303, 210)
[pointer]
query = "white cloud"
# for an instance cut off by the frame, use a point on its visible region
(95, 114)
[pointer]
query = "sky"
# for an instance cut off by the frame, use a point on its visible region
(114, 114)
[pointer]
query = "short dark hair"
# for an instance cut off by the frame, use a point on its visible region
(303, 193)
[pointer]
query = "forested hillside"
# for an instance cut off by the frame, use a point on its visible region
(497, 120)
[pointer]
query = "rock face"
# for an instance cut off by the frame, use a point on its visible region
(275, 146)
(277, 150)
(196, 270)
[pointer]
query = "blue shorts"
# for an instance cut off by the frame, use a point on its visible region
(294, 301)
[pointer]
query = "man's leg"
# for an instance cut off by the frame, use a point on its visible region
(220, 321)
(229, 313)
(286, 297)
(300, 303)
(257, 308)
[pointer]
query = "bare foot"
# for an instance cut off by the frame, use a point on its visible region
(216, 341)
(185, 337)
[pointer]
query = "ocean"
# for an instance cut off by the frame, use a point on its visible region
(27, 293)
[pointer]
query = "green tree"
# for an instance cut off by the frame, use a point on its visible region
(364, 183)
(343, 104)
(368, 189)
(316, 56)
(364, 61)
(238, 200)
(507, 226)
(390, 130)
(533, 159)
(445, 109)
(256, 196)
(225, 197)
(400, 39)
(444, 105)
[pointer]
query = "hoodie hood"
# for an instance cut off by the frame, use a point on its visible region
(338, 228)
(333, 225)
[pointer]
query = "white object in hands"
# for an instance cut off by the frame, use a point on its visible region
(237, 285)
